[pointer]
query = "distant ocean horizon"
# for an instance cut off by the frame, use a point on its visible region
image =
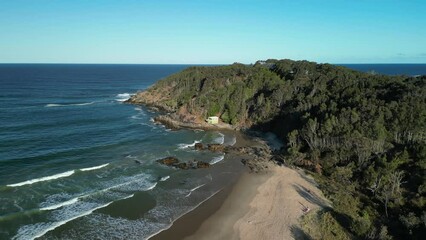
(78, 163)
(408, 69)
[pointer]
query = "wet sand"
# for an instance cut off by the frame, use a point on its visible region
(257, 206)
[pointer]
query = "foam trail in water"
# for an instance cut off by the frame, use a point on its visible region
(197, 187)
(183, 145)
(69, 202)
(164, 178)
(122, 97)
(94, 168)
(66, 105)
(217, 159)
(56, 176)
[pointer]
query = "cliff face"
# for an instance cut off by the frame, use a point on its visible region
(362, 132)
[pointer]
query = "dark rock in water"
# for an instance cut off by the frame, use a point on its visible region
(174, 162)
(182, 165)
(203, 164)
(169, 161)
(137, 161)
(199, 146)
(216, 147)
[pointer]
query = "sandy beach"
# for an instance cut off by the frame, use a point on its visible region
(257, 206)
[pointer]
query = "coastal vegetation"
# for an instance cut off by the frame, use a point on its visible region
(362, 135)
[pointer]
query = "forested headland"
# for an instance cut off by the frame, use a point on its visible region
(362, 135)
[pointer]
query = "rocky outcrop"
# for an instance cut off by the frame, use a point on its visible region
(169, 161)
(203, 164)
(174, 162)
(258, 158)
(216, 147)
(199, 146)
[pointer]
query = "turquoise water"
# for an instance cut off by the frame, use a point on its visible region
(69, 149)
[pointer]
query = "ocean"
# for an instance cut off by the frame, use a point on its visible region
(390, 69)
(70, 152)
(76, 162)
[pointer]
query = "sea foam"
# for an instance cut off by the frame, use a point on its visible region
(94, 168)
(62, 204)
(42, 179)
(197, 187)
(38, 230)
(183, 145)
(66, 105)
(220, 139)
(164, 178)
(217, 159)
(122, 97)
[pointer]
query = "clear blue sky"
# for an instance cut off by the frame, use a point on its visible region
(180, 31)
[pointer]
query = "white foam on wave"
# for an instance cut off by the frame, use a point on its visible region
(42, 179)
(152, 187)
(56, 206)
(67, 105)
(122, 97)
(164, 178)
(220, 139)
(197, 187)
(82, 206)
(233, 141)
(196, 206)
(183, 145)
(217, 159)
(94, 168)
(29, 231)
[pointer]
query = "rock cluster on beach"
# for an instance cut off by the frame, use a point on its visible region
(257, 158)
(174, 162)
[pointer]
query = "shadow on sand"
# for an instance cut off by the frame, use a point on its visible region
(310, 196)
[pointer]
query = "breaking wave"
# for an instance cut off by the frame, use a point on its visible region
(67, 105)
(217, 159)
(42, 179)
(62, 204)
(183, 145)
(94, 168)
(164, 178)
(122, 97)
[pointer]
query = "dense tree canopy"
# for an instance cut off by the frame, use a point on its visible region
(364, 135)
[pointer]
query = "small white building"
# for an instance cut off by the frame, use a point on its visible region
(213, 120)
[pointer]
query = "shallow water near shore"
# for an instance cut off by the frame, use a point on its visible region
(77, 163)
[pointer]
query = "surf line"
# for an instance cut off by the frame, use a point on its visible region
(42, 179)
(55, 176)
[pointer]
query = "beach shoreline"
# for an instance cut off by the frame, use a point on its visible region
(257, 206)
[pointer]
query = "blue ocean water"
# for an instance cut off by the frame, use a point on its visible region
(390, 69)
(71, 151)
(78, 163)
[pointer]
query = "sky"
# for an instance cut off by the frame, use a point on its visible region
(212, 32)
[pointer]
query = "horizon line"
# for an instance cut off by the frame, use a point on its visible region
(83, 63)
